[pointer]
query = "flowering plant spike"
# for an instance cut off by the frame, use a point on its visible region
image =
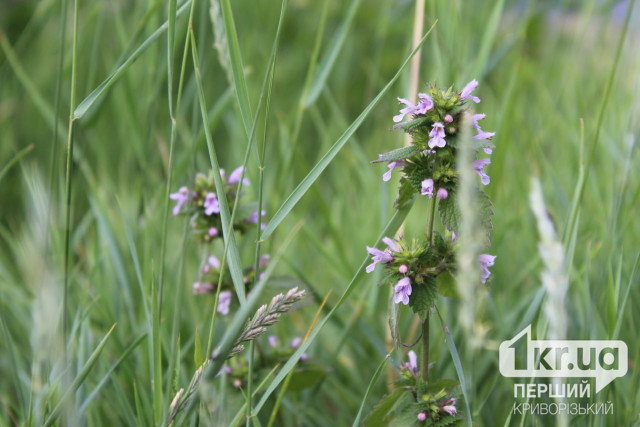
(420, 269)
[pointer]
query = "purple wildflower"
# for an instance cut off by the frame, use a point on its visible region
(380, 256)
(403, 290)
(211, 204)
(486, 261)
(442, 193)
(427, 187)
(264, 261)
(254, 218)
(448, 118)
(403, 269)
(412, 365)
(478, 166)
(437, 136)
(226, 369)
(392, 166)
(422, 416)
(235, 176)
(224, 302)
(181, 197)
(466, 91)
(213, 232)
(453, 237)
(424, 105)
(273, 340)
(214, 262)
(449, 406)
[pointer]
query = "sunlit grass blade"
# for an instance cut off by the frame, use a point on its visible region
(311, 177)
(372, 383)
(77, 382)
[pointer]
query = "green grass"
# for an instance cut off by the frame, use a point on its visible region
(306, 113)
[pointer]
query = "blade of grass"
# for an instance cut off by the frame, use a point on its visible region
(106, 377)
(458, 365)
(15, 159)
(373, 381)
(311, 177)
(68, 182)
(79, 380)
(98, 92)
(237, 68)
(328, 61)
(227, 227)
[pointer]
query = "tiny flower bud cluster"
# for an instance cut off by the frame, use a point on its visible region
(202, 202)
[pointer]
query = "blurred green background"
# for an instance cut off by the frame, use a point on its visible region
(543, 68)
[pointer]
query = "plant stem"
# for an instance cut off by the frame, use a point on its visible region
(424, 366)
(424, 372)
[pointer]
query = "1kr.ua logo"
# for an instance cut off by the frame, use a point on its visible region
(603, 360)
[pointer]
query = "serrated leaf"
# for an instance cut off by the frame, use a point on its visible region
(406, 417)
(398, 154)
(449, 213)
(447, 285)
(423, 296)
(381, 413)
(405, 193)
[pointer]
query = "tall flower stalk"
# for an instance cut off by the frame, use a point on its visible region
(424, 267)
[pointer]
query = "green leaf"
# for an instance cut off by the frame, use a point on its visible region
(449, 213)
(407, 416)
(311, 177)
(447, 285)
(306, 377)
(405, 193)
(381, 414)
(423, 296)
(398, 154)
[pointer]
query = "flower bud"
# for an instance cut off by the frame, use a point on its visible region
(422, 416)
(213, 232)
(442, 193)
(403, 269)
(448, 118)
